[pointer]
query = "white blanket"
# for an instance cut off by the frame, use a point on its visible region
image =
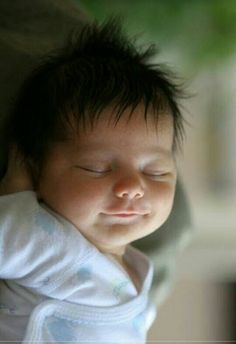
(56, 286)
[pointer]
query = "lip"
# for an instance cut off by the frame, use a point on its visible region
(121, 218)
(125, 214)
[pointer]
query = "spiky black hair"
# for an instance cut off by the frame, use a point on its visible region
(97, 68)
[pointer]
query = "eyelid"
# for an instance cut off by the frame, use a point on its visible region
(156, 173)
(159, 169)
(93, 169)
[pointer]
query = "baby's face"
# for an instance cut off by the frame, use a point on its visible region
(115, 184)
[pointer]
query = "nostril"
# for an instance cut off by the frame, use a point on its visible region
(125, 195)
(130, 194)
(129, 188)
(139, 195)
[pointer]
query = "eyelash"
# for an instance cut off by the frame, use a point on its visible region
(93, 170)
(101, 172)
(157, 175)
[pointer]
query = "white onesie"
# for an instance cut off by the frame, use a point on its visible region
(57, 287)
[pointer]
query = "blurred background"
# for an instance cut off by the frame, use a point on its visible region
(197, 39)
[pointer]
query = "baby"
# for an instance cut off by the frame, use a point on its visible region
(93, 137)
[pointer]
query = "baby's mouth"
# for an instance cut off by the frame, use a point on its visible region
(125, 214)
(123, 217)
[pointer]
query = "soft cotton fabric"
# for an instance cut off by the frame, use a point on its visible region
(57, 287)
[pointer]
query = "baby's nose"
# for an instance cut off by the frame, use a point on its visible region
(130, 188)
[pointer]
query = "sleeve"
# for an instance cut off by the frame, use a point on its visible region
(38, 249)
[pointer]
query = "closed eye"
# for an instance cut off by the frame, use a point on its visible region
(93, 169)
(157, 174)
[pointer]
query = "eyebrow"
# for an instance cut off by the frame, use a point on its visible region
(101, 150)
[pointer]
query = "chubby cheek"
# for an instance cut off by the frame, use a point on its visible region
(78, 201)
(163, 198)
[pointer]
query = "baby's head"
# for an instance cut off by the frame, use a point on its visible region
(100, 125)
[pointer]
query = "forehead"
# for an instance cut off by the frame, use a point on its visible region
(130, 128)
(132, 137)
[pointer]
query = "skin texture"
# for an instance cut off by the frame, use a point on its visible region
(116, 184)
